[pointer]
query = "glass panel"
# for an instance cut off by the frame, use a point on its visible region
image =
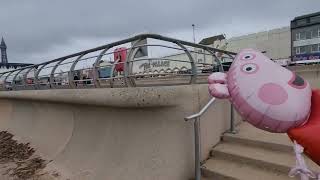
(297, 49)
(309, 34)
(302, 35)
(314, 48)
(297, 36)
(303, 49)
(314, 33)
(301, 22)
(315, 19)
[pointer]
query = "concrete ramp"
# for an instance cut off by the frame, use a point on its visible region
(121, 134)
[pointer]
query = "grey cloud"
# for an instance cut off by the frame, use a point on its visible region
(35, 26)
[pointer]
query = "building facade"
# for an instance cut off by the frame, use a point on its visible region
(274, 43)
(286, 45)
(305, 37)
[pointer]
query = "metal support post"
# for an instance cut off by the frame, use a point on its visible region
(232, 121)
(197, 148)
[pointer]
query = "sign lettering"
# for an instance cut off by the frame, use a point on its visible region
(155, 64)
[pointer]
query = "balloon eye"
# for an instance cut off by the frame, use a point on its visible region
(249, 68)
(248, 56)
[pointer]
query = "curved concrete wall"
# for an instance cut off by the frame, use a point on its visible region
(129, 133)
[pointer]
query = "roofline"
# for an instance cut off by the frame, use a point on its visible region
(17, 64)
(306, 15)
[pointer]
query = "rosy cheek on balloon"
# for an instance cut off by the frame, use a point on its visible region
(273, 94)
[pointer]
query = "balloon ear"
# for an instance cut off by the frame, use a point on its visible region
(219, 91)
(217, 85)
(217, 77)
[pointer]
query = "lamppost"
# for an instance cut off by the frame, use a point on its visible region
(194, 36)
(194, 41)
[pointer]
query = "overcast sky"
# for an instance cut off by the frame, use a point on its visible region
(39, 30)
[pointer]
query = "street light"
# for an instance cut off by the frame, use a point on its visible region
(194, 36)
(194, 41)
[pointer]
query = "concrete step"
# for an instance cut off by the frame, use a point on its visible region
(225, 169)
(275, 160)
(252, 154)
(251, 136)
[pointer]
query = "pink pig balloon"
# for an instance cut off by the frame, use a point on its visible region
(267, 95)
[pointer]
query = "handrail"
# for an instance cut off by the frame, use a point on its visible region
(128, 40)
(197, 145)
(203, 110)
(193, 66)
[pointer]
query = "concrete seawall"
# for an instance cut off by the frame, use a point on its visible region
(125, 133)
(129, 133)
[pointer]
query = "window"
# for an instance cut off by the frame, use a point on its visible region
(309, 34)
(301, 22)
(301, 50)
(297, 36)
(318, 32)
(301, 36)
(297, 50)
(314, 33)
(315, 48)
(315, 19)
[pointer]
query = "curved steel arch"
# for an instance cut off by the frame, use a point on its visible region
(14, 79)
(3, 74)
(5, 79)
(96, 78)
(36, 76)
(128, 80)
(25, 76)
(52, 83)
(217, 60)
(72, 84)
(193, 65)
(3, 83)
(112, 73)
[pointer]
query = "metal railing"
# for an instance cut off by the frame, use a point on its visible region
(197, 138)
(104, 66)
(84, 70)
(197, 134)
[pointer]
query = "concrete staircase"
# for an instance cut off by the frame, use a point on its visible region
(252, 154)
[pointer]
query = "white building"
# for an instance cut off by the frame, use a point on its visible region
(274, 43)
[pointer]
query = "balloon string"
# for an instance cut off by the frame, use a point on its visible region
(301, 167)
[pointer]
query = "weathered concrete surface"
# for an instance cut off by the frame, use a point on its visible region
(113, 97)
(253, 154)
(130, 133)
